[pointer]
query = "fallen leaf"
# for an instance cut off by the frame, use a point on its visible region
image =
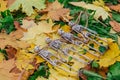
(111, 56)
(100, 11)
(19, 32)
(8, 40)
(17, 26)
(28, 24)
(56, 12)
(10, 51)
(101, 3)
(115, 25)
(28, 8)
(5, 67)
(16, 34)
(40, 40)
(8, 71)
(115, 7)
(42, 27)
(23, 59)
(10, 2)
(3, 5)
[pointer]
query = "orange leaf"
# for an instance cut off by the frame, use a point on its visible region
(10, 2)
(115, 25)
(55, 11)
(115, 7)
(10, 51)
(5, 68)
(8, 40)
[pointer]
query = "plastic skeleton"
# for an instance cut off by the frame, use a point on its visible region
(48, 56)
(57, 44)
(88, 32)
(70, 38)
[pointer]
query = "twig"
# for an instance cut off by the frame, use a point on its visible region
(101, 22)
(78, 19)
(86, 25)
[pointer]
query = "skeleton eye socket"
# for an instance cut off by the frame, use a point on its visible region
(71, 23)
(37, 48)
(48, 40)
(60, 31)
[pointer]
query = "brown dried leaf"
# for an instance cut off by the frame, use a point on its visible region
(12, 41)
(18, 27)
(28, 24)
(10, 2)
(5, 68)
(115, 25)
(115, 7)
(8, 71)
(17, 34)
(10, 51)
(55, 11)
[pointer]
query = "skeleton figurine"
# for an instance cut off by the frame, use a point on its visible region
(70, 38)
(57, 44)
(44, 54)
(86, 33)
(55, 62)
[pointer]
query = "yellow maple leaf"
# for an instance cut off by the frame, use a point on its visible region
(111, 56)
(27, 5)
(42, 27)
(23, 59)
(3, 5)
(40, 40)
(101, 3)
(100, 11)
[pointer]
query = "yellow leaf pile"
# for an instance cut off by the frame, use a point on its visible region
(42, 27)
(8, 40)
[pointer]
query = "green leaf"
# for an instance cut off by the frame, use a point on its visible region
(69, 59)
(43, 71)
(95, 64)
(102, 49)
(27, 5)
(94, 78)
(114, 72)
(90, 73)
(116, 16)
(7, 22)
